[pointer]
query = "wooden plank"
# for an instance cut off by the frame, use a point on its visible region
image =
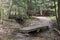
(33, 28)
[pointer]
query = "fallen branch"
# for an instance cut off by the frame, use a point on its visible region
(57, 30)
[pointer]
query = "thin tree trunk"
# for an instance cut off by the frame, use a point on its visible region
(59, 14)
(10, 8)
(1, 11)
(41, 12)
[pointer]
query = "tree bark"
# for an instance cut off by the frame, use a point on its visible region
(59, 14)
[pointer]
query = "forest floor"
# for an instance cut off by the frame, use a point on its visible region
(11, 34)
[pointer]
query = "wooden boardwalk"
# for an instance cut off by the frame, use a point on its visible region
(44, 23)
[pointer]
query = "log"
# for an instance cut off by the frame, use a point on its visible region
(57, 30)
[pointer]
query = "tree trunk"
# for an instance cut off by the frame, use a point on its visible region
(59, 14)
(41, 12)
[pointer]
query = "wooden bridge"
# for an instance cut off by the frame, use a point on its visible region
(43, 25)
(33, 28)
